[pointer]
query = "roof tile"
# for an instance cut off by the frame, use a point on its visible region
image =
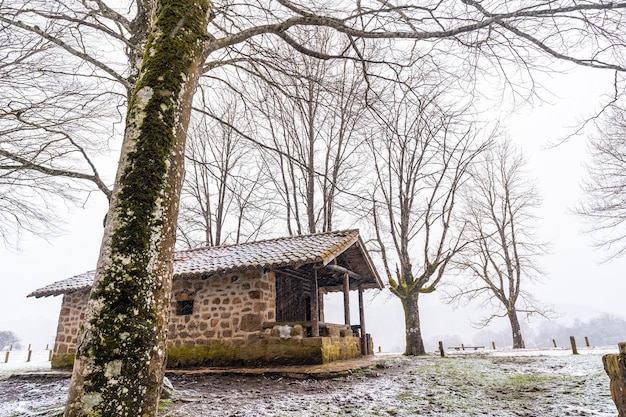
(273, 253)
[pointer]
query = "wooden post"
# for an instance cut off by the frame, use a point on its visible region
(379, 349)
(587, 341)
(364, 344)
(28, 346)
(554, 342)
(441, 350)
(6, 356)
(346, 299)
(616, 370)
(493, 345)
(573, 343)
(315, 310)
(30, 354)
(320, 301)
(50, 355)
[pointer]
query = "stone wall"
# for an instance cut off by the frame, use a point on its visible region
(220, 321)
(223, 306)
(72, 313)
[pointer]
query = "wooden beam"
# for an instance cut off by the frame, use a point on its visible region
(293, 274)
(315, 306)
(321, 292)
(346, 299)
(364, 346)
(343, 270)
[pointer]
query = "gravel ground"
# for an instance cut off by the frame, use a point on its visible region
(473, 384)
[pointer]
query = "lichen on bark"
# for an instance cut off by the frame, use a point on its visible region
(119, 366)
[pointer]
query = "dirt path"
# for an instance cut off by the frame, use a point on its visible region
(467, 385)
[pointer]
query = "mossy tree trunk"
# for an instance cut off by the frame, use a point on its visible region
(122, 346)
(516, 329)
(414, 342)
(408, 289)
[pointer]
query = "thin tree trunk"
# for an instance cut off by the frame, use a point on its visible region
(516, 330)
(310, 187)
(121, 349)
(414, 342)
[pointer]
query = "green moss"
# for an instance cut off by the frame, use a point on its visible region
(240, 352)
(63, 360)
(164, 405)
(340, 348)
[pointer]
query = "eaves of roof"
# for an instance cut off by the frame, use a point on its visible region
(294, 251)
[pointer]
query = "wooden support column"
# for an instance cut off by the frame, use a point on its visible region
(346, 299)
(315, 309)
(364, 346)
(321, 293)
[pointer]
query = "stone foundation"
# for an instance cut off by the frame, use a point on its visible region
(263, 352)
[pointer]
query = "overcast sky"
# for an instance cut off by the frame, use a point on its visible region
(575, 284)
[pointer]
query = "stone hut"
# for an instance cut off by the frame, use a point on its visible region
(257, 303)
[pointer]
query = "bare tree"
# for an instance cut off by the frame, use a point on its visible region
(222, 200)
(311, 116)
(119, 369)
(421, 157)
(605, 188)
(48, 125)
(501, 257)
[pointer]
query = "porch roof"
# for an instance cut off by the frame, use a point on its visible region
(343, 248)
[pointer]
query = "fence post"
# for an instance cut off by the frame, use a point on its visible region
(30, 354)
(554, 342)
(573, 343)
(441, 351)
(6, 357)
(616, 370)
(50, 355)
(493, 345)
(587, 341)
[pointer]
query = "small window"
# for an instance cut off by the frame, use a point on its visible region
(184, 308)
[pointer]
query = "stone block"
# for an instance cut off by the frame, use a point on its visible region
(251, 323)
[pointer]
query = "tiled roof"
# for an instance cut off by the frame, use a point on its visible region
(286, 251)
(275, 253)
(75, 283)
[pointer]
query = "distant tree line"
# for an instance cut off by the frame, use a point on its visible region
(604, 330)
(8, 339)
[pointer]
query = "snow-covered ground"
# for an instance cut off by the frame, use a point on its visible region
(17, 362)
(529, 383)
